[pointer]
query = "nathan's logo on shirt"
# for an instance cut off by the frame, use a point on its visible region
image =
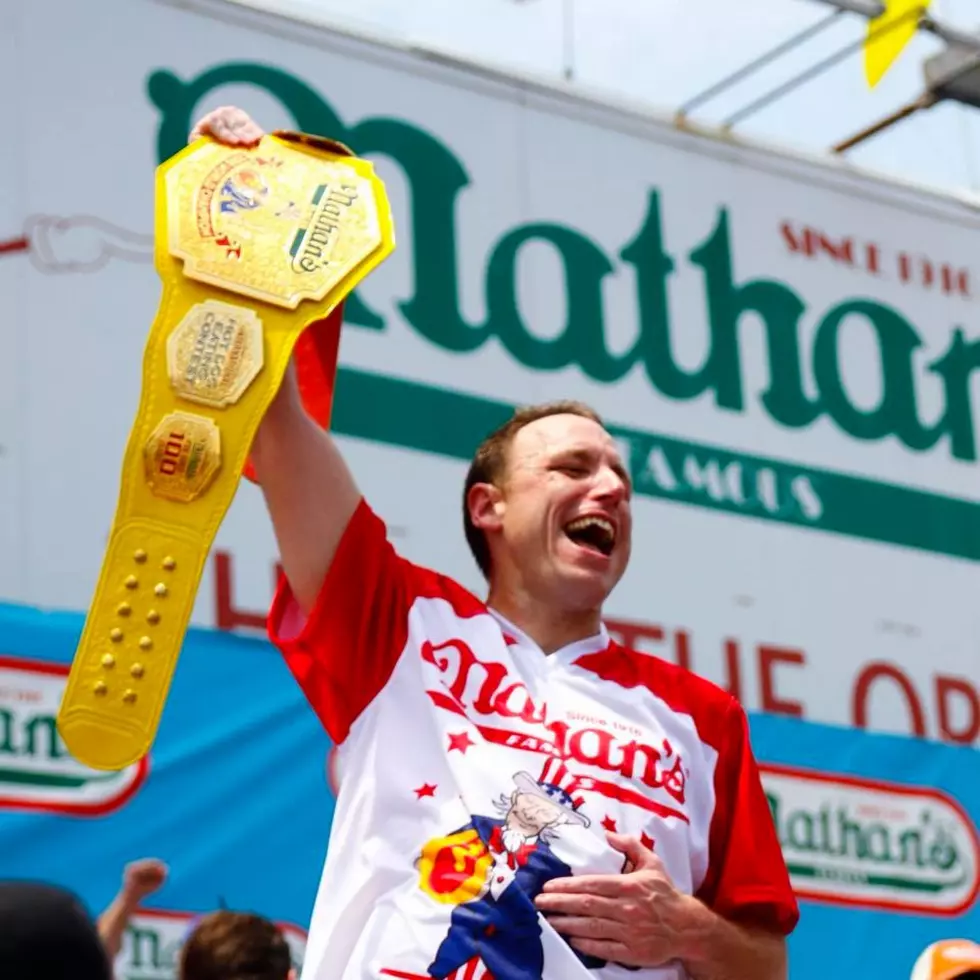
(153, 939)
(36, 770)
(854, 841)
(484, 687)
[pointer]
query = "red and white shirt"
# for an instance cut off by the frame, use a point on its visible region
(473, 768)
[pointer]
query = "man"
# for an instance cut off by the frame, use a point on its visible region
(235, 946)
(949, 959)
(436, 698)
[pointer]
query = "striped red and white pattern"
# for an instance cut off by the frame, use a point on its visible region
(555, 772)
(474, 970)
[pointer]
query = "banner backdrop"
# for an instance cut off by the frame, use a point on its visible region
(785, 349)
(235, 797)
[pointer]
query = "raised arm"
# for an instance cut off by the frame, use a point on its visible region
(309, 491)
(140, 879)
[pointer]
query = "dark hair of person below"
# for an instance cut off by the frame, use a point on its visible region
(229, 945)
(490, 462)
(45, 931)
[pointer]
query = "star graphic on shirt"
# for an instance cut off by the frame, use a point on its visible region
(609, 824)
(647, 841)
(460, 741)
(426, 789)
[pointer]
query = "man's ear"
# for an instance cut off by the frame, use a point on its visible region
(486, 505)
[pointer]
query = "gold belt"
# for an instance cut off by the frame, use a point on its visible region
(252, 246)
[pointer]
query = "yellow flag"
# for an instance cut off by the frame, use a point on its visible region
(888, 34)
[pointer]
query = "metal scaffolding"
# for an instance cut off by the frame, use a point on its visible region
(874, 8)
(953, 74)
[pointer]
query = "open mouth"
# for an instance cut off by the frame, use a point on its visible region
(595, 533)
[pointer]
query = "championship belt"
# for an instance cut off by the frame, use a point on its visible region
(252, 246)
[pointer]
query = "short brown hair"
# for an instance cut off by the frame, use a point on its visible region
(235, 946)
(490, 463)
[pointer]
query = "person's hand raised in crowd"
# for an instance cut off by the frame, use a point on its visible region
(143, 877)
(140, 879)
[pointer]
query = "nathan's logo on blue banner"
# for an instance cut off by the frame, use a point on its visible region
(854, 841)
(153, 939)
(36, 770)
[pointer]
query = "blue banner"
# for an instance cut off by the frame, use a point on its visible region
(878, 831)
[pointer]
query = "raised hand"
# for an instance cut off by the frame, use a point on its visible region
(143, 877)
(230, 125)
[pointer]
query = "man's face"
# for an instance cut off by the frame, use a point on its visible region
(561, 527)
(530, 814)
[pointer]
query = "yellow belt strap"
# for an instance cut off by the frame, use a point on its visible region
(252, 245)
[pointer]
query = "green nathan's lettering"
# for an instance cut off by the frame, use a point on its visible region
(896, 412)
(446, 422)
(144, 948)
(35, 738)
(808, 381)
(835, 834)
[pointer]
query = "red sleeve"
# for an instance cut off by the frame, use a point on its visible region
(343, 654)
(747, 880)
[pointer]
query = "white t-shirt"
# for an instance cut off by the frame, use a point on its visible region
(473, 768)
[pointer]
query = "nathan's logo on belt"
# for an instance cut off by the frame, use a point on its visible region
(313, 245)
(271, 225)
(36, 770)
(853, 841)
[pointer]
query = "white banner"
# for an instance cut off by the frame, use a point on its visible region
(788, 351)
